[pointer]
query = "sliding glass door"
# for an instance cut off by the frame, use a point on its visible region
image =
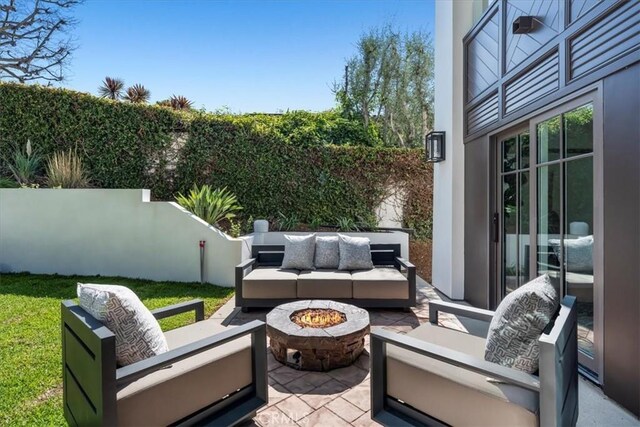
(546, 208)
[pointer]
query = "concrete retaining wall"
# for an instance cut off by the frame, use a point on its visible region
(111, 233)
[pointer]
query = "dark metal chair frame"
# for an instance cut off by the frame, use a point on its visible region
(91, 378)
(382, 255)
(557, 384)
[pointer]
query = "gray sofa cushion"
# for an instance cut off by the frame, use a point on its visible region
(138, 334)
(327, 252)
(299, 252)
(270, 282)
(517, 324)
(324, 283)
(355, 253)
(380, 283)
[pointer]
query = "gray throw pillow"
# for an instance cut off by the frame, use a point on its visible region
(578, 254)
(327, 252)
(518, 322)
(137, 332)
(355, 253)
(299, 252)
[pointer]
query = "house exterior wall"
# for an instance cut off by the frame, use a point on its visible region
(581, 46)
(111, 233)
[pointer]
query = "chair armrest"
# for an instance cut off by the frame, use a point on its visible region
(246, 264)
(196, 305)
(401, 262)
(461, 310)
(380, 337)
(142, 368)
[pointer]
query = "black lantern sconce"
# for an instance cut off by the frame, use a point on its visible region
(524, 24)
(434, 146)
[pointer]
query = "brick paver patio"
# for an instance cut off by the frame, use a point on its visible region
(339, 397)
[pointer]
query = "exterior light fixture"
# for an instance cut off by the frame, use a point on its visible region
(524, 24)
(434, 146)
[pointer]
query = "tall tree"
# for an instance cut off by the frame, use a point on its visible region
(34, 39)
(390, 81)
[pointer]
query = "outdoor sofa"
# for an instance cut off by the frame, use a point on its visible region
(260, 282)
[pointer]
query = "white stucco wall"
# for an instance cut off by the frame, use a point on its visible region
(277, 238)
(111, 233)
(452, 20)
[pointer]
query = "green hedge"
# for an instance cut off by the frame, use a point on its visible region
(309, 165)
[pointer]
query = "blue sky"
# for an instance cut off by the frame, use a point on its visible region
(251, 56)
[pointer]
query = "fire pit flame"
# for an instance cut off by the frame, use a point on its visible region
(317, 318)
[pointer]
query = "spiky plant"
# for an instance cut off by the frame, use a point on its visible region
(65, 170)
(210, 205)
(137, 94)
(179, 102)
(24, 164)
(111, 88)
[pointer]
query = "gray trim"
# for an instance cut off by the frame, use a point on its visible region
(458, 309)
(557, 384)
(197, 305)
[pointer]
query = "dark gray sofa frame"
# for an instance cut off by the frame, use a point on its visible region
(91, 379)
(382, 255)
(557, 384)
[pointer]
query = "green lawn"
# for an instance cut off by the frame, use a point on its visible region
(30, 365)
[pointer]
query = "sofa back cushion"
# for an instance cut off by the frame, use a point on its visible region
(299, 252)
(137, 332)
(355, 253)
(517, 324)
(327, 252)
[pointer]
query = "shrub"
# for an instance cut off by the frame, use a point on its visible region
(210, 205)
(8, 183)
(24, 164)
(65, 170)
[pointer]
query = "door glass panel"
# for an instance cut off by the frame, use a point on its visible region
(509, 154)
(524, 150)
(578, 245)
(549, 209)
(549, 140)
(578, 129)
(509, 233)
(523, 243)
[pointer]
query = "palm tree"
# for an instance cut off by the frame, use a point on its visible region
(111, 88)
(179, 102)
(137, 94)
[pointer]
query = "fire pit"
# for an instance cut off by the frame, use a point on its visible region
(317, 335)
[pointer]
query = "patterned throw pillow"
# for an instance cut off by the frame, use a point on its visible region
(518, 322)
(355, 253)
(578, 254)
(327, 252)
(138, 334)
(299, 252)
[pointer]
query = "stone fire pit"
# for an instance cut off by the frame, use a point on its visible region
(317, 348)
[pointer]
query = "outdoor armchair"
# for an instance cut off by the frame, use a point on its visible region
(211, 375)
(438, 376)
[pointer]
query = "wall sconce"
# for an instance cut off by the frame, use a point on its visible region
(434, 146)
(524, 24)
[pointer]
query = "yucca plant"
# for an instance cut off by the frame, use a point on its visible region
(111, 88)
(65, 170)
(179, 102)
(210, 205)
(137, 94)
(287, 223)
(24, 164)
(347, 224)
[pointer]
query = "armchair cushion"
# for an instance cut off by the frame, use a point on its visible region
(137, 332)
(299, 252)
(165, 396)
(355, 253)
(517, 324)
(451, 394)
